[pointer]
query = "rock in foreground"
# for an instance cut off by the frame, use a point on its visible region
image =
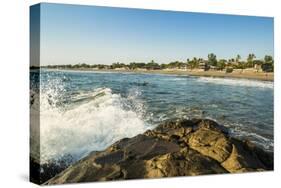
(174, 148)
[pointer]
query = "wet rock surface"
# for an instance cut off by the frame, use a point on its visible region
(174, 148)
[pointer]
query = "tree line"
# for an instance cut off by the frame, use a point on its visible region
(212, 62)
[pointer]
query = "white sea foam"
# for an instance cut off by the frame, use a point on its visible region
(34, 121)
(236, 82)
(88, 125)
(239, 131)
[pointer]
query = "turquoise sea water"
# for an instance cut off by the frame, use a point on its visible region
(86, 111)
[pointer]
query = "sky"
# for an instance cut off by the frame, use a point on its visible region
(71, 34)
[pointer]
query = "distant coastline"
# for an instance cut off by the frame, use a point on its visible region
(263, 76)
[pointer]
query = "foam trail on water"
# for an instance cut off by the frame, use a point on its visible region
(236, 82)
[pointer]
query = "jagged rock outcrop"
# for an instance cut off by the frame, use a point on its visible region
(174, 148)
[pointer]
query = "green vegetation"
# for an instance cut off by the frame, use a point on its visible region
(212, 59)
(194, 63)
(152, 65)
(229, 70)
(250, 60)
(238, 57)
(221, 64)
(212, 63)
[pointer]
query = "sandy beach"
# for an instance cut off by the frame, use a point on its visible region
(211, 73)
(247, 75)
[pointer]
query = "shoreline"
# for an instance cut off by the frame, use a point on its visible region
(261, 76)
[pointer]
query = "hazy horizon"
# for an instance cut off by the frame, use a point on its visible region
(72, 34)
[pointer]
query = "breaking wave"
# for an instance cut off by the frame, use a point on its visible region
(90, 122)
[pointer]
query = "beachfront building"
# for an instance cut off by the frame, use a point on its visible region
(258, 67)
(122, 68)
(183, 67)
(203, 65)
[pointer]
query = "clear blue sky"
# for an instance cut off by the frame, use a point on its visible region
(73, 34)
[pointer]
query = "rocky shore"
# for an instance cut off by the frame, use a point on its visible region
(174, 148)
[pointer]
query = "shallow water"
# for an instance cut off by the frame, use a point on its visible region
(87, 111)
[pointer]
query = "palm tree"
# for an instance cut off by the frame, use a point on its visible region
(238, 57)
(212, 59)
(250, 59)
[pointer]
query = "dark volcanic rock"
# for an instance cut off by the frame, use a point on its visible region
(174, 148)
(40, 173)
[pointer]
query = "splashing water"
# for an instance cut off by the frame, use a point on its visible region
(91, 122)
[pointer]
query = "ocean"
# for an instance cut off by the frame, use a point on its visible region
(82, 111)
